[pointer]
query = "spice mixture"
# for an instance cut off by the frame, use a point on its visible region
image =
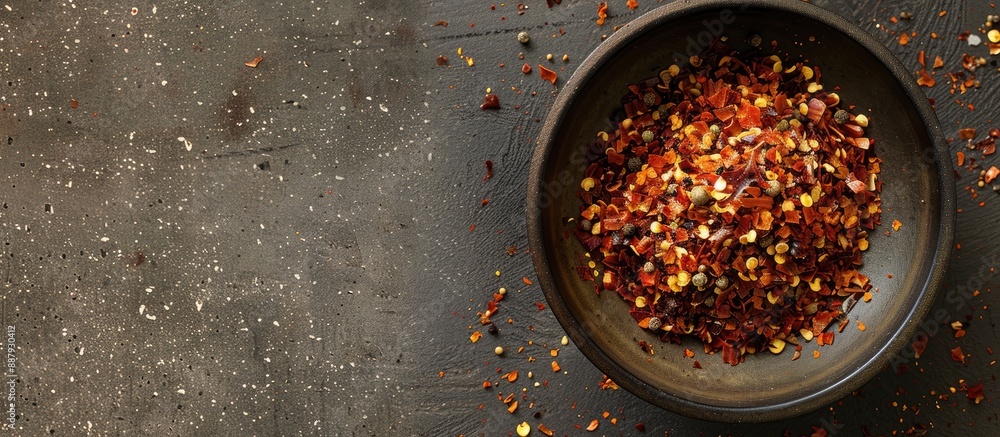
(732, 203)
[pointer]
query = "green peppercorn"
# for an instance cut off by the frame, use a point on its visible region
(655, 323)
(647, 136)
(523, 37)
(586, 225)
(773, 188)
(649, 98)
(722, 282)
(649, 267)
(782, 125)
(628, 230)
(634, 164)
(841, 116)
(700, 196)
(699, 280)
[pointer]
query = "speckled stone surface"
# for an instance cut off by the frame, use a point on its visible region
(192, 246)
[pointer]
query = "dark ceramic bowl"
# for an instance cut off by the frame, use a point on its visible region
(918, 191)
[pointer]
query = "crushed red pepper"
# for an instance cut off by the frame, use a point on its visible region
(732, 204)
(547, 74)
(490, 101)
(489, 170)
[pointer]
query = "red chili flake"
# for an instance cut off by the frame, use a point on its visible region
(254, 62)
(967, 133)
(485, 202)
(441, 23)
(632, 4)
(490, 101)
(487, 385)
(641, 427)
(521, 8)
(512, 250)
(547, 74)
(602, 13)
(593, 425)
(73, 103)
(551, 3)
(919, 344)
(526, 280)
(957, 355)
(961, 158)
(991, 174)
(975, 392)
(545, 430)
(472, 227)
(697, 364)
(541, 306)
(489, 170)
(896, 225)
(904, 39)
(441, 61)
(925, 79)
(702, 213)
(526, 68)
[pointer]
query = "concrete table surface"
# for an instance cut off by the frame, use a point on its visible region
(194, 246)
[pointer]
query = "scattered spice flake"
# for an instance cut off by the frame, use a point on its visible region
(975, 393)
(540, 306)
(512, 407)
(489, 170)
(925, 79)
(487, 385)
(815, 354)
(551, 3)
(547, 74)
(555, 366)
(919, 344)
(602, 13)
(523, 429)
(73, 103)
(593, 425)
(606, 383)
(992, 174)
(441, 23)
(511, 376)
(526, 281)
(441, 61)
(476, 336)
(961, 158)
(512, 249)
(904, 39)
(957, 355)
(696, 365)
(441, 374)
(938, 62)
(967, 133)
(688, 353)
(641, 427)
(861, 326)
(896, 225)
(545, 430)
(468, 60)
(632, 4)
(254, 62)
(490, 101)
(526, 68)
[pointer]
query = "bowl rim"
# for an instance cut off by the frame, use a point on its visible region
(935, 277)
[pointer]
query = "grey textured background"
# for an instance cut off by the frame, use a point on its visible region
(309, 269)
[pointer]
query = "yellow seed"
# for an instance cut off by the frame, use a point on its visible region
(673, 70)
(787, 205)
(468, 60)
(994, 36)
(564, 341)
(807, 72)
(815, 285)
(781, 247)
(861, 120)
(655, 227)
(704, 232)
(806, 200)
(498, 350)
(863, 245)
(780, 258)
(588, 183)
(835, 97)
(752, 263)
(778, 67)
(565, 58)
(814, 87)
(503, 291)
(683, 278)
(806, 334)
(523, 429)
(772, 298)
(816, 192)
(760, 102)
(596, 229)
(777, 345)
(751, 236)
(640, 302)
(803, 108)
(795, 281)
(627, 124)
(548, 57)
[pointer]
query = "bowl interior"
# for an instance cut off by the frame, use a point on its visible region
(765, 386)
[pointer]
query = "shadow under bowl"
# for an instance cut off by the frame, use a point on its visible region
(918, 190)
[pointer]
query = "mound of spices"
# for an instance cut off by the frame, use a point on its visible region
(733, 203)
